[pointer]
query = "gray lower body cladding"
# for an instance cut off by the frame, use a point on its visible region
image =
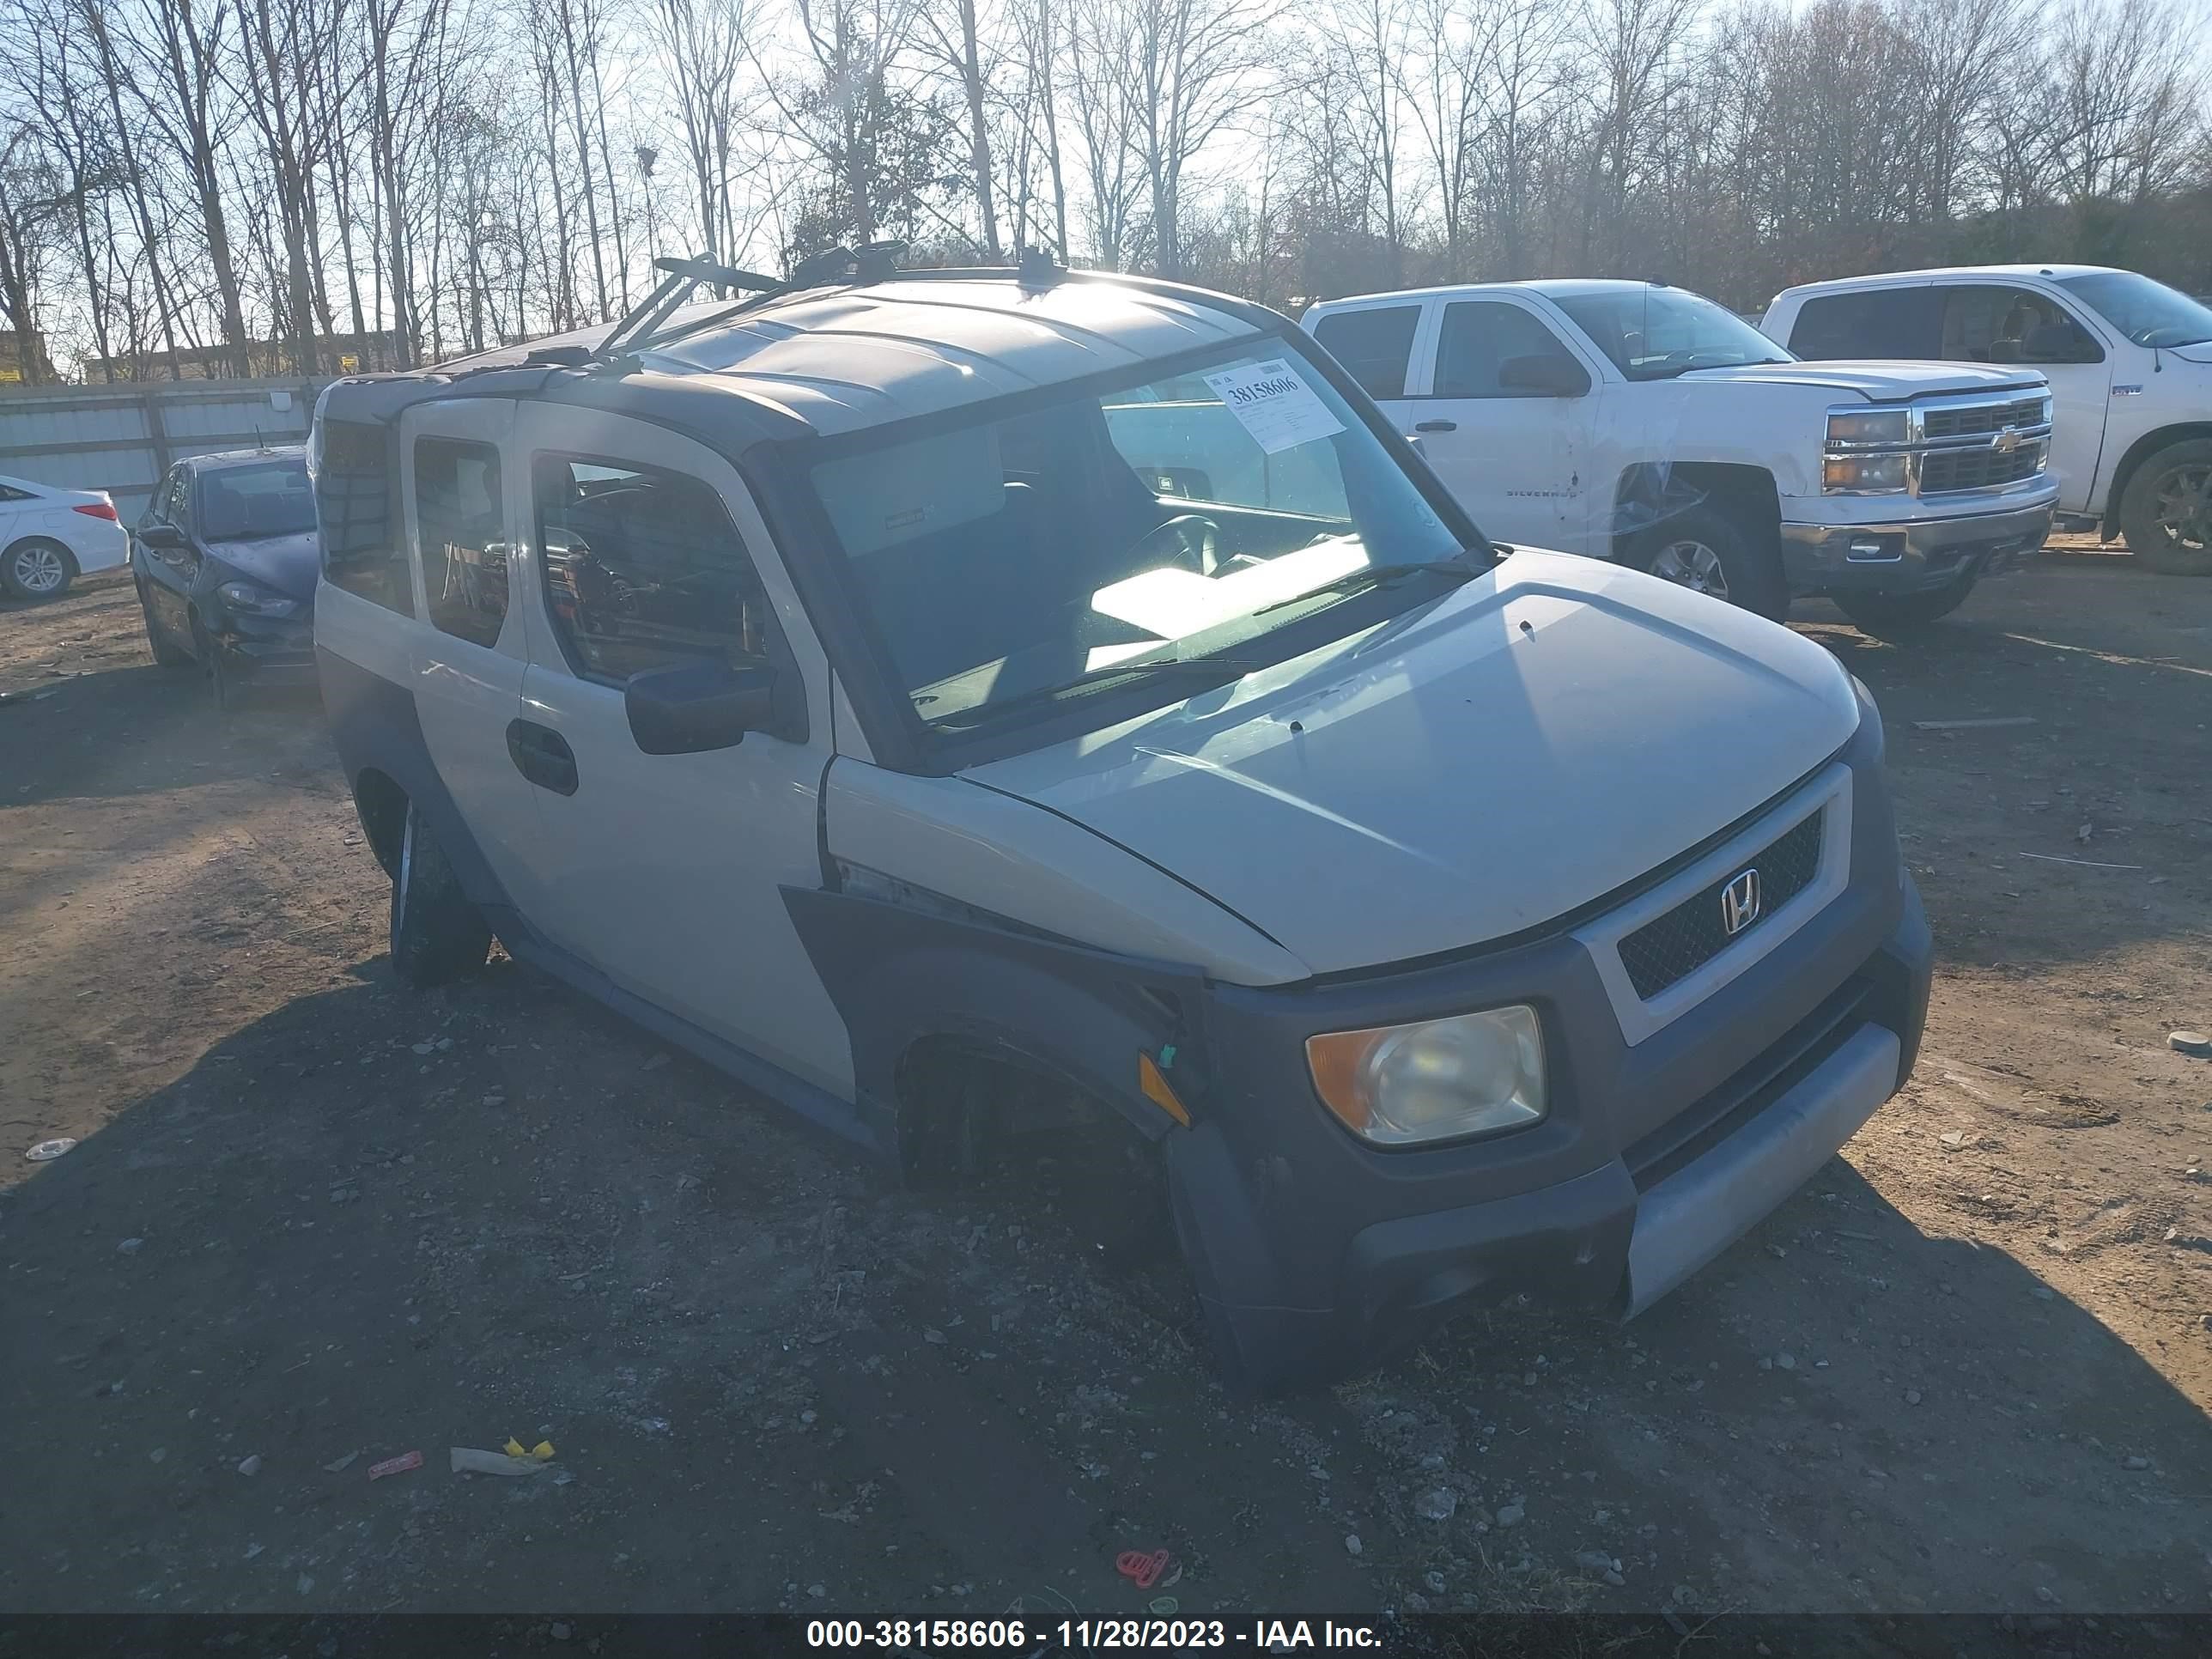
(1910, 556)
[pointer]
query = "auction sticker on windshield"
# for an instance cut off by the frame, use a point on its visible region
(1273, 404)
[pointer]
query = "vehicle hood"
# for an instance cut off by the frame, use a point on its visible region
(288, 563)
(1542, 736)
(1878, 382)
(2199, 353)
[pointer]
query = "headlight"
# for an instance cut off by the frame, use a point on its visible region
(1439, 1079)
(1862, 472)
(250, 600)
(1869, 426)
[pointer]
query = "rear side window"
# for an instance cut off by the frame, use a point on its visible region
(363, 551)
(1883, 322)
(644, 570)
(463, 532)
(1478, 337)
(1374, 345)
(10, 493)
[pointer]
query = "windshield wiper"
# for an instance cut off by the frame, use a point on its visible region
(1219, 669)
(1374, 575)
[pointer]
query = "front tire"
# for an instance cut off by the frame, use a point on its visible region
(36, 569)
(2166, 512)
(437, 934)
(168, 653)
(1709, 551)
(1901, 616)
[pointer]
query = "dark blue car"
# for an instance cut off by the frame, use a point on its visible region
(225, 559)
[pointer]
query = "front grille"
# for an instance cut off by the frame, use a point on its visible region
(1978, 468)
(1988, 417)
(1705, 1123)
(1676, 944)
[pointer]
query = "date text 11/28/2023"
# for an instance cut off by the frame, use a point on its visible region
(1261, 1635)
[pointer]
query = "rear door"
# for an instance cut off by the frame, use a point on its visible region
(467, 645)
(665, 872)
(1519, 458)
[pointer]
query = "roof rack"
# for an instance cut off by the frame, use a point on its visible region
(644, 319)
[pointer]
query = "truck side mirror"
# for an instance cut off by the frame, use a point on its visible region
(1544, 376)
(699, 706)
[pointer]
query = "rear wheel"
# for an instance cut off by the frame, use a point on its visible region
(437, 934)
(2166, 512)
(1709, 551)
(37, 568)
(1890, 616)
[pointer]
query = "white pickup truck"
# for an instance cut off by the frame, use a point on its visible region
(2129, 360)
(1645, 424)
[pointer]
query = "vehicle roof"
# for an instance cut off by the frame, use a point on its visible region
(224, 457)
(843, 358)
(1843, 282)
(1551, 287)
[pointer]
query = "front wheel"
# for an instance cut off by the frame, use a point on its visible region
(2166, 512)
(1895, 616)
(167, 651)
(437, 934)
(36, 569)
(1707, 551)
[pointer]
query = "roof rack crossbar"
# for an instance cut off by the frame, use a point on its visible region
(645, 319)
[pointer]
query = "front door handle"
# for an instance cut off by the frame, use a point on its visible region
(1437, 426)
(543, 756)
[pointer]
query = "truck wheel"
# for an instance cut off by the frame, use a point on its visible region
(437, 935)
(1901, 616)
(2166, 513)
(1703, 549)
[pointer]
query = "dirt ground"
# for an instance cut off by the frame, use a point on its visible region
(314, 1218)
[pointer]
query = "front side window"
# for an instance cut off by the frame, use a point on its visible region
(1882, 322)
(644, 570)
(462, 531)
(1374, 345)
(251, 503)
(1657, 333)
(1107, 536)
(1478, 338)
(2150, 313)
(1998, 323)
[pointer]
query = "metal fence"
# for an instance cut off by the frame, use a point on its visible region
(122, 438)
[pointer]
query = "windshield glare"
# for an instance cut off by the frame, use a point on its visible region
(246, 503)
(1655, 333)
(2150, 313)
(1192, 514)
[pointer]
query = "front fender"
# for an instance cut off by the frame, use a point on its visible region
(900, 975)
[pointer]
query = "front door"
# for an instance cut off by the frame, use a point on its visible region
(467, 645)
(169, 572)
(664, 871)
(2004, 325)
(1512, 439)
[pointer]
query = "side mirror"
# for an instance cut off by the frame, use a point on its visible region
(2057, 342)
(698, 706)
(1544, 376)
(161, 538)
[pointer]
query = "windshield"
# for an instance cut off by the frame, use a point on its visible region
(2150, 313)
(1656, 333)
(1116, 534)
(246, 503)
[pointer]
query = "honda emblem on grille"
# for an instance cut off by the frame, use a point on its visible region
(1740, 902)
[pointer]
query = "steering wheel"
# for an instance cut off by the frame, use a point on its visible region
(1197, 541)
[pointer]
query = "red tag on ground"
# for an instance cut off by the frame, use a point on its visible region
(1144, 1570)
(398, 1465)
